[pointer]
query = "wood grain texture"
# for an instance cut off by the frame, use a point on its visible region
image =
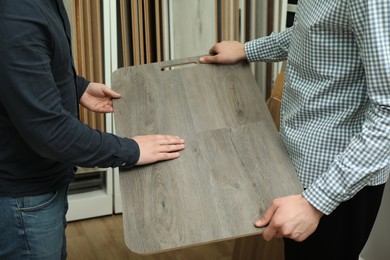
(234, 163)
(192, 27)
(103, 238)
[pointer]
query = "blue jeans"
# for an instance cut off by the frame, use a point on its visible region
(33, 227)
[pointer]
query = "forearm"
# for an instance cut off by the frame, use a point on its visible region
(366, 158)
(67, 139)
(272, 48)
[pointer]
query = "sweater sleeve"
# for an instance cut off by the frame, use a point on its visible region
(81, 84)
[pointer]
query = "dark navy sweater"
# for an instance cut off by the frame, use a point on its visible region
(41, 137)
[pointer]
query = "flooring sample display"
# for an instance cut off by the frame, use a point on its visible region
(87, 27)
(233, 166)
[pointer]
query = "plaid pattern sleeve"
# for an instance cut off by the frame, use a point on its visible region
(335, 118)
(273, 48)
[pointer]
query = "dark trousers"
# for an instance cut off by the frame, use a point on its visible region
(342, 234)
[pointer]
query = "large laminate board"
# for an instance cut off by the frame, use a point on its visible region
(233, 166)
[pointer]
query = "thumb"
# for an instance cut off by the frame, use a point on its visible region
(208, 59)
(266, 217)
(111, 93)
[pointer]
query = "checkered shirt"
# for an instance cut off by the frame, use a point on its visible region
(336, 101)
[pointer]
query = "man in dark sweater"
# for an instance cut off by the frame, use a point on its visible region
(42, 138)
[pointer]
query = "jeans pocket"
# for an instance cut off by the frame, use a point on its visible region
(37, 202)
(40, 225)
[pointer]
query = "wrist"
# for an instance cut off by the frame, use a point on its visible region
(313, 209)
(243, 55)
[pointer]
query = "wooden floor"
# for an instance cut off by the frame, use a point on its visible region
(103, 238)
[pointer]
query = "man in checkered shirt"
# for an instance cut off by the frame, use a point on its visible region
(335, 123)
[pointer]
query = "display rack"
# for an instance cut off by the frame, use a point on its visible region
(93, 200)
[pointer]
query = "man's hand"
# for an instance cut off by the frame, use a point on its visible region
(98, 98)
(292, 217)
(155, 148)
(227, 52)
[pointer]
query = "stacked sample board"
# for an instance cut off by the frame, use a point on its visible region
(141, 31)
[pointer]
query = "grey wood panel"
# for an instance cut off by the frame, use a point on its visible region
(192, 27)
(234, 163)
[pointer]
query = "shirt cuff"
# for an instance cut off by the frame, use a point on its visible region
(319, 199)
(133, 154)
(250, 50)
(82, 85)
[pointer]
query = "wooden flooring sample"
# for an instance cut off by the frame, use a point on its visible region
(233, 166)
